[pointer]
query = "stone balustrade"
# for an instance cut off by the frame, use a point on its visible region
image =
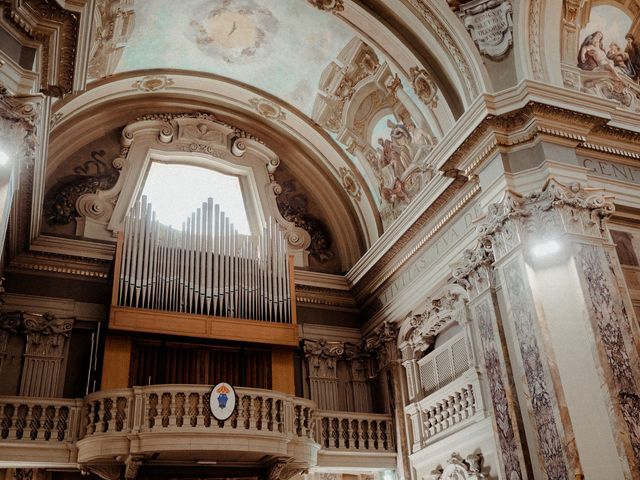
(354, 431)
(156, 419)
(24, 419)
(445, 409)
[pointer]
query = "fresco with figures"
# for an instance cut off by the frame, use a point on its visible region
(608, 56)
(311, 59)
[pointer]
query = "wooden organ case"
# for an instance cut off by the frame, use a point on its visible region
(206, 282)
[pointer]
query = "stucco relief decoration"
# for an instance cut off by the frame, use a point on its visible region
(114, 22)
(92, 175)
(423, 328)
(294, 208)
(153, 83)
(424, 87)
(365, 105)
(489, 23)
(608, 58)
(350, 183)
(328, 5)
(267, 109)
(458, 468)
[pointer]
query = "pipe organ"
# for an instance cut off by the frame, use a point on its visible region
(206, 268)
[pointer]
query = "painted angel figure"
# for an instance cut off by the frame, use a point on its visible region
(620, 59)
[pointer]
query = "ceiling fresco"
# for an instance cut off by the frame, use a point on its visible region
(308, 58)
(280, 46)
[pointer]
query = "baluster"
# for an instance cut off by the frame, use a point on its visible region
(61, 425)
(108, 417)
(273, 416)
(373, 431)
(355, 434)
(168, 412)
(341, 434)
(8, 422)
(364, 434)
(179, 401)
(204, 418)
(194, 412)
(264, 411)
(251, 417)
(50, 421)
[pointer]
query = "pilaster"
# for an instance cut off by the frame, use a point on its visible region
(44, 353)
(568, 328)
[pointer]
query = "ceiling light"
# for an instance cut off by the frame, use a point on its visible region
(4, 158)
(545, 248)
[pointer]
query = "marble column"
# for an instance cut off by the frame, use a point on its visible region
(44, 353)
(568, 326)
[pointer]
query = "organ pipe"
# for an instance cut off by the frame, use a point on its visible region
(205, 268)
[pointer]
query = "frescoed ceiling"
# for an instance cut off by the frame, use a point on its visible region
(279, 46)
(313, 62)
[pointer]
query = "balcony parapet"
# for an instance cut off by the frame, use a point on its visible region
(349, 439)
(48, 426)
(174, 422)
(446, 410)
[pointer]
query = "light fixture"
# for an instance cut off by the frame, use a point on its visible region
(4, 158)
(545, 248)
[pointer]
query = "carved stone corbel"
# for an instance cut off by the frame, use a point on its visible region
(131, 466)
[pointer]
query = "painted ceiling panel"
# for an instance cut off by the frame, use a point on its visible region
(280, 46)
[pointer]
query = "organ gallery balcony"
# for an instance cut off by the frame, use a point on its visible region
(169, 424)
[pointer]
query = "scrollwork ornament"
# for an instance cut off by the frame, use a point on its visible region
(332, 6)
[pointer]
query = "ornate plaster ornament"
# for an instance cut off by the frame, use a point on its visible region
(458, 468)
(489, 23)
(350, 183)
(442, 32)
(113, 24)
(423, 86)
(333, 6)
(153, 83)
(56, 29)
(267, 109)
(420, 330)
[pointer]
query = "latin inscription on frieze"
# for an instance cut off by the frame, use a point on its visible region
(616, 171)
(451, 234)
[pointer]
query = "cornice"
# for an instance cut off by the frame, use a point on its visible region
(498, 123)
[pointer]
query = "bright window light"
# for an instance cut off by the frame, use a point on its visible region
(4, 158)
(545, 248)
(175, 191)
